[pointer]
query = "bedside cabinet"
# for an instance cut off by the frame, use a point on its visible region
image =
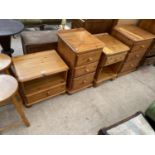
(112, 57)
(149, 25)
(138, 40)
(40, 75)
(81, 51)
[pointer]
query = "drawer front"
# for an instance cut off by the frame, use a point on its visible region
(149, 61)
(45, 94)
(87, 58)
(85, 69)
(135, 56)
(141, 46)
(114, 59)
(129, 65)
(151, 52)
(82, 81)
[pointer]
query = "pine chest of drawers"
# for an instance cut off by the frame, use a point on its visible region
(112, 57)
(81, 51)
(40, 75)
(149, 25)
(138, 40)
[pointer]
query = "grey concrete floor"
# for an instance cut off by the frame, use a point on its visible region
(86, 111)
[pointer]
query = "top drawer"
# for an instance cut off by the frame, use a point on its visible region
(143, 45)
(114, 59)
(83, 59)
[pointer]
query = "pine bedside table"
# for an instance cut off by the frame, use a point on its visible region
(41, 75)
(81, 51)
(138, 40)
(112, 57)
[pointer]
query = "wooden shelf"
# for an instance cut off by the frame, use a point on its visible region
(41, 84)
(106, 74)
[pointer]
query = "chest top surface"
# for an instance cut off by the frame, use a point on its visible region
(37, 65)
(80, 40)
(134, 33)
(112, 45)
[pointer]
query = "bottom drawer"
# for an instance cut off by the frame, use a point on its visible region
(82, 81)
(130, 65)
(45, 94)
(149, 61)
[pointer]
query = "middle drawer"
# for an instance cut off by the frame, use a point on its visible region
(114, 59)
(85, 69)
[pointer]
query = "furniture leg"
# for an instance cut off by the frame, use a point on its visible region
(20, 110)
(6, 45)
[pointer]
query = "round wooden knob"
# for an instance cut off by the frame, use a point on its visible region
(132, 65)
(142, 46)
(48, 93)
(87, 70)
(84, 81)
(137, 56)
(90, 59)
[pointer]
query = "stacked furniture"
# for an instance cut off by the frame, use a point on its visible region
(40, 75)
(95, 26)
(36, 41)
(149, 25)
(112, 57)
(138, 40)
(9, 85)
(81, 51)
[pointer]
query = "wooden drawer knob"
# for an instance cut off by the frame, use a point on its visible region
(142, 46)
(132, 65)
(87, 70)
(84, 81)
(137, 55)
(90, 59)
(48, 93)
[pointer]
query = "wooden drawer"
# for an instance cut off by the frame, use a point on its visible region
(129, 65)
(114, 59)
(83, 81)
(45, 94)
(151, 52)
(85, 69)
(135, 56)
(149, 61)
(144, 45)
(89, 57)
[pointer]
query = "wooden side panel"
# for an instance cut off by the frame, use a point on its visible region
(65, 52)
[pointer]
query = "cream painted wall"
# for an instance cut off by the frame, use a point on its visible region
(127, 21)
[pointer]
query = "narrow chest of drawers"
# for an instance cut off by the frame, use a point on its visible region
(81, 51)
(138, 40)
(40, 75)
(112, 57)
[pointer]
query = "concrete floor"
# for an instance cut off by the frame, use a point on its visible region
(86, 111)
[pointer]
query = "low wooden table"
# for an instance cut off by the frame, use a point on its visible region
(112, 58)
(9, 91)
(41, 75)
(5, 62)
